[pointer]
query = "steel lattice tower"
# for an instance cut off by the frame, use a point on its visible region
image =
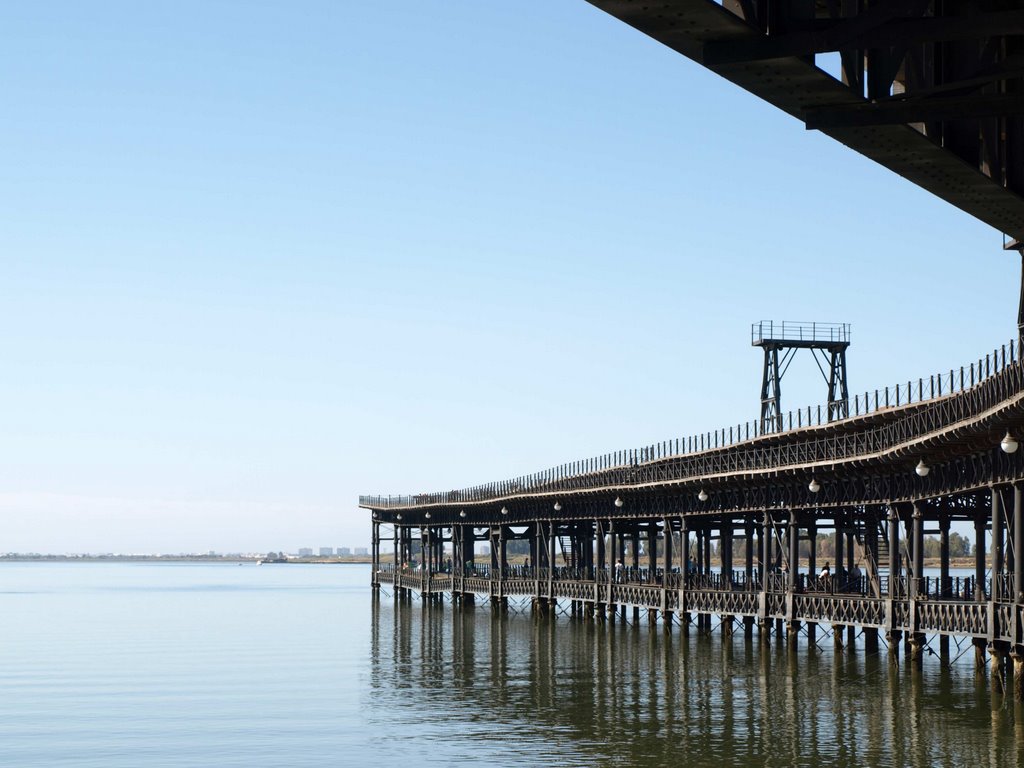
(780, 341)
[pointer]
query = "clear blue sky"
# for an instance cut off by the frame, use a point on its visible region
(259, 258)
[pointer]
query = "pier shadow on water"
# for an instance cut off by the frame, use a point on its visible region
(472, 686)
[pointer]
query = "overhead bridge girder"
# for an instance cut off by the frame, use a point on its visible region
(931, 89)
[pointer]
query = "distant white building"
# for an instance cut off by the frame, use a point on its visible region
(343, 551)
(362, 551)
(326, 551)
(305, 552)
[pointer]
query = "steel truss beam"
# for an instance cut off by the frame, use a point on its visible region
(951, 70)
(878, 31)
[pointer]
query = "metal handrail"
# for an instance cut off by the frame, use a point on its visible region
(788, 330)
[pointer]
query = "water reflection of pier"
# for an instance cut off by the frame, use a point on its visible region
(572, 693)
(633, 531)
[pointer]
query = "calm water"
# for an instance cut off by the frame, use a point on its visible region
(223, 665)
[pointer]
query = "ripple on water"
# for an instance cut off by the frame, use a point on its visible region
(113, 665)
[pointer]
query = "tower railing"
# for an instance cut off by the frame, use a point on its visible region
(789, 330)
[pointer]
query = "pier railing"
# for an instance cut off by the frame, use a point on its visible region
(944, 399)
(933, 588)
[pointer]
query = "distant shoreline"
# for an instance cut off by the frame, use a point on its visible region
(20, 558)
(929, 562)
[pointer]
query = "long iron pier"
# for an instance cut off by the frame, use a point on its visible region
(634, 529)
(933, 91)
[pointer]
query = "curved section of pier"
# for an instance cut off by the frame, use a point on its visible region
(634, 529)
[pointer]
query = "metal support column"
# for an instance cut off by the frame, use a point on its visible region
(748, 555)
(707, 570)
(426, 550)
(839, 575)
(458, 556)
(838, 394)
(997, 649)
(394, 557)
(979, 584)
(998, 546)
(1018, 591)
(684, 567)
(552, 531)
(851, 629)
(613, 571)
(771, 395)
(375, 556)
(914, 583)
(666, 614)
(944, 585)
(502, 567)
(535, 545)
(600, 570)
(652, 551)
(725, 557)
(895, 594)
(766, 559)
(812, 573)
(792, 578)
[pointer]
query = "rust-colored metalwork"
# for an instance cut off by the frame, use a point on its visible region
(933, 90)
(878, 480)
